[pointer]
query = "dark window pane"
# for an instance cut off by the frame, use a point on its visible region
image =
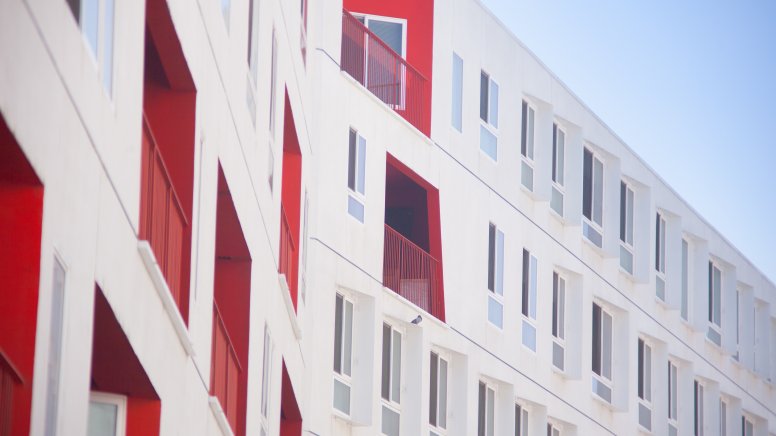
(484, 79)
(657, 242)
(596, 339)
(481, 411)
(492, 258)
(432, 403)
(386, 385)
(526, 277)
(352, 160)
(555, 304)
(338, 335)
(587, 184)
(75, 6)
(711, 293)
(518, 419)
(641, 369)
(623, 209)
(554, 152)
(390, 33)
(524, 130)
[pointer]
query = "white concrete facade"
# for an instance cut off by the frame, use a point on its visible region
(84, 144)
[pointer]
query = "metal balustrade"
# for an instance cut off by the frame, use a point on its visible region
(382, 71)
(411, 272)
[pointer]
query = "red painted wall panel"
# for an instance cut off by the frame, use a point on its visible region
(21, 214)
(420, 36)
(291, 192)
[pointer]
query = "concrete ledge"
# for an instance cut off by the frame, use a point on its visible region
(174, 315)
(286, 291)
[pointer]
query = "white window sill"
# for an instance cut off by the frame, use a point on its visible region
(286, 291)
(220, 416)
(173, 313)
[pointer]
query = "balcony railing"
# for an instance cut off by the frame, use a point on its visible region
(382, 71)
(163, 222)
(9, 377)
(287, 265)
(226, 369)
(411, 272)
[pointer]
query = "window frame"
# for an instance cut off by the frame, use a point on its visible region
(554, 428)
(456, 116)
(698, 406)
(685, 302)
(120, 401)
(744, 421)
(627, 224)
(558, 172)
(589, 223)
(489, 407)
(527, 143)
(714, 306)
(522, 417)
(489, 124)
(266, 380)
(673, 394)
(356, 193)
(342, 376)
(644, 378)
(496, 252)
(559, 299)
(365, 18)
(393, 404)
(103, 32)
(607, 381)
(440, 428)
(529, 296)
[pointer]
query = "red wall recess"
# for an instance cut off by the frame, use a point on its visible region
(406, 189)
(117, 369)
(21, 213)
(290, 417)
(229, 378)
(167, 181)
(291, 193)
(420, 33)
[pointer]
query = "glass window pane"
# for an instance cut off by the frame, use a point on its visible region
(488, 143)
(685, 279)
(555, 304)
(492, 257)
(457, 104)
(629, 221)
(647, 373)
(530, 144)
(355, 208)
(352, 160)
(484, 82)
(562, 310)
(361, 164)
(495, 312)
(90, 10)
(493, 115)
(107, 55)
(386, 363)
(499, 262)
(341, 397)
(524, 129)
(338, 334)
(491, 413)
(561, 152)
(596, 339)
(391, 422)
(526, 175)
(390, 33)
(396, 368)
(532, 287)
(433, 389)
(529, 335)
(587, 184)
(606, 348)
(598, 191)
(442, 393)
(481, 410)
(348, 339)
(102, 419)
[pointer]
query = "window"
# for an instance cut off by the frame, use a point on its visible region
(673, 410)
(698, 408)
(55, 346)
(96, 19)
(552, 429)
(356, 174)
(457, 104)
(527, 145)
(660, 256)
(592, 197)
(226, 6)
(272, 83)
(715, 298)
(645, 384)
(107, 414)
(343, 351)
(521, 420)
(747, 427)
(389, 30)
(558, 168)
(486, 413)
(266, 371)
(685, 303)
(529, 300)
(495, 276)
(391, 380)
(602, 353)
(738, 324)
(253, 57)
(558, 321)
(437, 414)
(722, 417)
(626, 227)
(488, 115)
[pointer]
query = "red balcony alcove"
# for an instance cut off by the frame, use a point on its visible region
(167, 169)
(231, 312)
(290, 416)
(21, 214)
(412, 258)
(402, 83)
(117, 370)
(290, 204)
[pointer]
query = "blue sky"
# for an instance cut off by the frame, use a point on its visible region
(690, 86)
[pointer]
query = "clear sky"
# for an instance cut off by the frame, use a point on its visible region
(689, 85)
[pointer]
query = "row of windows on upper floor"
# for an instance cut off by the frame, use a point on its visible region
(656, 389)
(716, 293)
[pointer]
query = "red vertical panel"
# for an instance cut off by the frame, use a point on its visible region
(176, 234)
(158, 216)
